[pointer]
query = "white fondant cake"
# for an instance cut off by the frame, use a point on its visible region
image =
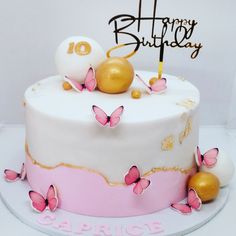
(87, 162)
(156, 131)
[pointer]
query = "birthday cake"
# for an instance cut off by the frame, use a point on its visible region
(67, 147)
(104, 139)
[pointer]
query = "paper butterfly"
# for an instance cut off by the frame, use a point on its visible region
(193, 202)
(133, 177)
(104, 119)
(157, 87)
(90, 82)
(11, 175)
(39, 203)
(208, 159)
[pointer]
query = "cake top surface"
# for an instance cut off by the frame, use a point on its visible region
(48, 97)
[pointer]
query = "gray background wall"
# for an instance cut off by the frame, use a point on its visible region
(31, 30)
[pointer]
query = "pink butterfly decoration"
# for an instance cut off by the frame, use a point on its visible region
(193, 202)
(157, 87)
(11, 175)
(133, 177)
(39, 203)
(90, 82)
(208, 159)
(104, 119)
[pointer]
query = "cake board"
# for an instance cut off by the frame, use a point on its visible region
(165, 222)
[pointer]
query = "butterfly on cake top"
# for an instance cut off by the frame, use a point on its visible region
(157, 86)
(89, 83)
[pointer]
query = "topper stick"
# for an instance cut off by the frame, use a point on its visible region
(160, 66)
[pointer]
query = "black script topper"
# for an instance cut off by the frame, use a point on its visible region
(165, 32)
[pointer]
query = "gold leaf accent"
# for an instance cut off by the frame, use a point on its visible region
(187, 130)
(184, 116)
(152, 171)
(168, 143)
(187, 103)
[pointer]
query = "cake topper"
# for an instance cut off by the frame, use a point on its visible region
(12, 176)
(133, 177)
(75, 55)
(165, 32)
(104, 119)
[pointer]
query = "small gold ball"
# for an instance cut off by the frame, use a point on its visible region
(114, 75)
(67, 86)
(206, 185)
(153, 80)
(136, 94)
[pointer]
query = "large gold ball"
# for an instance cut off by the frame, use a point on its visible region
(114, 75)
(206, 185)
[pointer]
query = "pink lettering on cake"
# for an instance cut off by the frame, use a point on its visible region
(101, 230)
(118, 231)
(154, 227)
(83, 228)
(134, 230)
(46, 219)
(63, 226)
(49, 219)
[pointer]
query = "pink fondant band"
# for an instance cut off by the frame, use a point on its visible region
(87, 193)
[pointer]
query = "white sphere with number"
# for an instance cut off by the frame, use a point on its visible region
(223, 169)
(76, 55)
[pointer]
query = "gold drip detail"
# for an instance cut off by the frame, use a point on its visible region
(152, 171)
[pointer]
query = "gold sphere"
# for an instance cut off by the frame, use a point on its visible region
(206, 185)
(136, 94)
(153, 80)
(66, 86)
(114, 75)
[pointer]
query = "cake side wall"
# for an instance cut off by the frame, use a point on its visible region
(166, 143)
(87, 193)
(87, 163)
